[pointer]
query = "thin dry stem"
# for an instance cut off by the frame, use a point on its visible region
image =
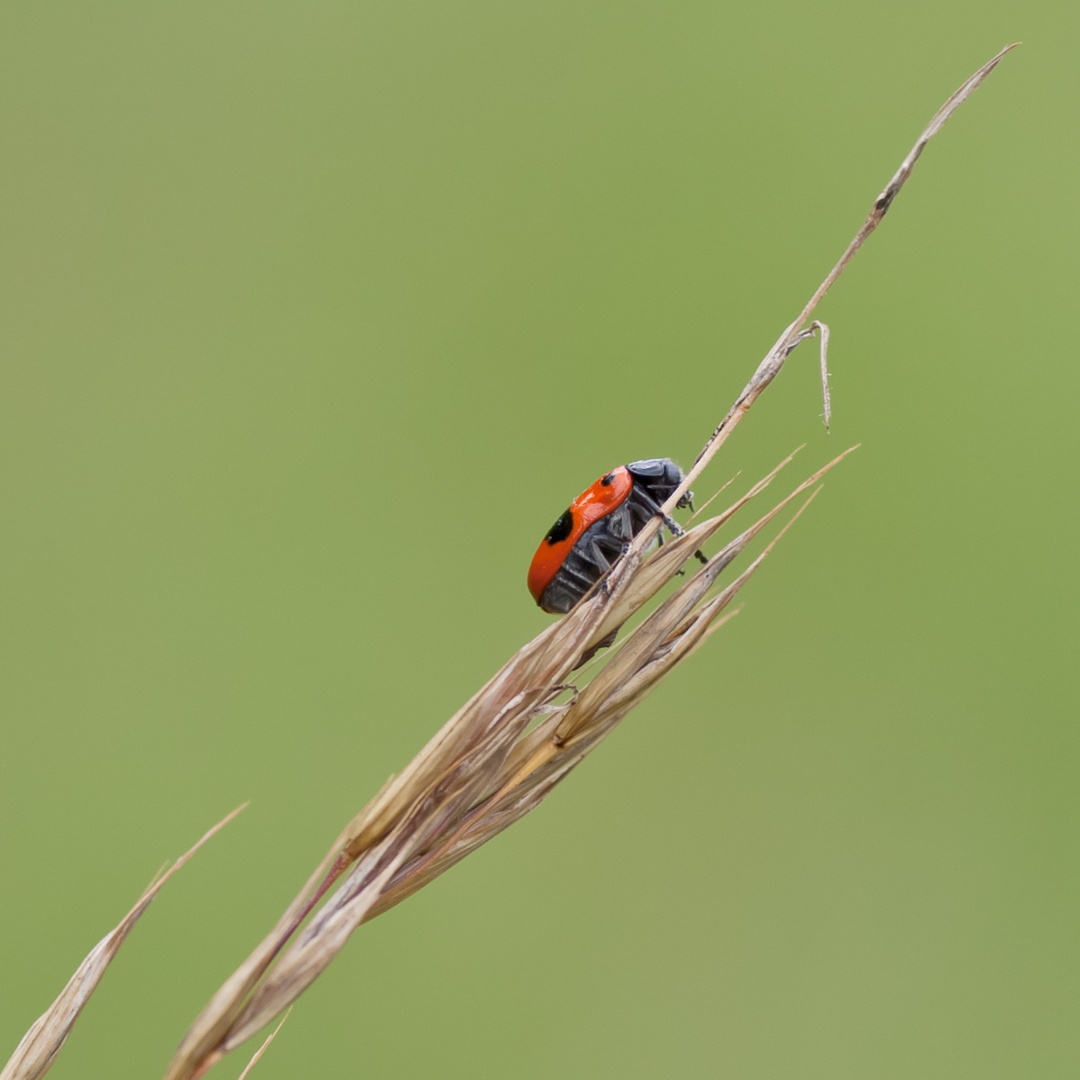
(503, 752)
(265, 1043)
(698, 511)
(37, 1051)
(770, 367)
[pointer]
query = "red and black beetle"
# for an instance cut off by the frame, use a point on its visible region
(581, 546)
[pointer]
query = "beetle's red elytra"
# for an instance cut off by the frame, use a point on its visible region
(594, 531)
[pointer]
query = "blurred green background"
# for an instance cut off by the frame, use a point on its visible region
(313, 318)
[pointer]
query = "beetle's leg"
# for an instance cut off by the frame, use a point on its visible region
(653, 507)
(672, 525)
(595, 553)
(660, 543)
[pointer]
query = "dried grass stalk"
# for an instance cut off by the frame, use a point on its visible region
(39, 1047)
(525, 730)
(265, 1043)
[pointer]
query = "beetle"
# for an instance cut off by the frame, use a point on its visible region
(596, 528)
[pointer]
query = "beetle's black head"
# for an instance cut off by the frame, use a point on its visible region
(659, 476)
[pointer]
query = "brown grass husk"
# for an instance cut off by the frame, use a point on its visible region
(504, 751)
(509, 746)
(39, 1047)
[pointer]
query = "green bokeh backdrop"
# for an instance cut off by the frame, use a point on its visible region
(314, 316)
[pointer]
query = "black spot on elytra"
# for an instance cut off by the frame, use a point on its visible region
(561, 529)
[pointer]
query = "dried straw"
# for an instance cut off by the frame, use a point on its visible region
(521, 734)
(265, 1043)
(39, 1047)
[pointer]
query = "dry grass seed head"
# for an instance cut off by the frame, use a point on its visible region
(502, 752)
(39, 1047)
(505, 749)
(485, 782)
(435, 812)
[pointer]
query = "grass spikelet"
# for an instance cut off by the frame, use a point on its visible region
(263, 1048)
(37, 1051)
(534, 721)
